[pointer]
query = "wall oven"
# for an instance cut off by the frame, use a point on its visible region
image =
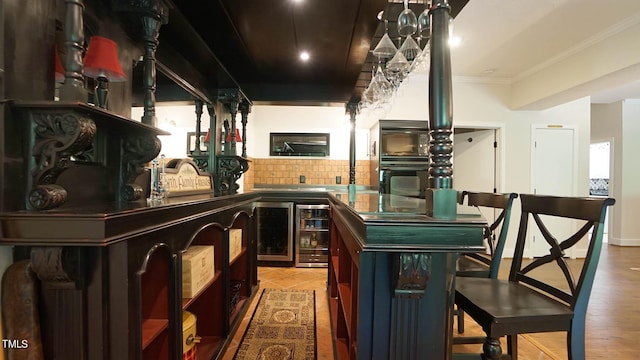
(403, 142)
(275, 233)
(404, 181)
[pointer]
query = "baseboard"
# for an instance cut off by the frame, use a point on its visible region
(623, 242)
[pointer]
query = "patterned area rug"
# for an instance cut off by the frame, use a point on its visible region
(283, 327)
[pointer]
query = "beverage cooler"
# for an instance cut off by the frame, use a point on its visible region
(312, 235)
(275, 233)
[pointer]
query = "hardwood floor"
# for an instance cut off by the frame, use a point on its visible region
(613, 316)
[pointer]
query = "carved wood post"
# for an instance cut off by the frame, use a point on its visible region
(232, 104)
(199, 104)
(245, 109)
(150, 15)
(73, 88)
(440, 196)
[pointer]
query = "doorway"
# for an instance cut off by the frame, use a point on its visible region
(600, 174)
(477, 160)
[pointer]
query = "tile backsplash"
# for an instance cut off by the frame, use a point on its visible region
(315, 171)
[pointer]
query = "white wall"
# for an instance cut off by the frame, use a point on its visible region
(619, 122)
(178, 120)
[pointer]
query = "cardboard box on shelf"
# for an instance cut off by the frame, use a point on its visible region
(197, 269)
(235, 243)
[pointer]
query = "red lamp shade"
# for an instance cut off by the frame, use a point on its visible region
(101, 60)
(208, 136)
(59, 70)
(238, 138)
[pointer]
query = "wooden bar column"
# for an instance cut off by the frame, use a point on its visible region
(245, 109)
(440, 196)
(73, 88)
(352, 109)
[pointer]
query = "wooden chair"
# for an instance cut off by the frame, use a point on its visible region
(482, 264)
(524, 304)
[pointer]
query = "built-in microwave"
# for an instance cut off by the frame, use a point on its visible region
(404, 181)
(404, 141)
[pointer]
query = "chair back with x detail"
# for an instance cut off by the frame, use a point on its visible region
(483, 264)
(526, 303)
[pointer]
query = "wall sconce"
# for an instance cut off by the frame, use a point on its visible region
(101, 63)
(238, 137)
(59, 70)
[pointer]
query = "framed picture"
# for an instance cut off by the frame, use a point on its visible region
(191, 143)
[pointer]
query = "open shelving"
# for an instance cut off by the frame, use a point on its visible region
(155, 305)
(343, 295)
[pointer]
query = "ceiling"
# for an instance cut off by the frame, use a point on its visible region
(506, 40)
(254, 44)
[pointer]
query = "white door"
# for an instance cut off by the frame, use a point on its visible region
(552, 174)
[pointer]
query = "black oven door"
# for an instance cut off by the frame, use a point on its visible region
(404, 182)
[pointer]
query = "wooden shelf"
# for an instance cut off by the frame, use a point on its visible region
(240, 254)
(344, 292)
(151, 328)
(188, 301)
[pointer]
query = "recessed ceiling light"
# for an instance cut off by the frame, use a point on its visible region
(304, 56)
(297, 1)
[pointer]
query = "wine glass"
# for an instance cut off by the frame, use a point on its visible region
(424, 22)
(407, 21)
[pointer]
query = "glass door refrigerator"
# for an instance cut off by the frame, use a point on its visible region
(312, 235)
(275, 233)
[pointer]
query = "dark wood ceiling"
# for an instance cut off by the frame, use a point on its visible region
(255, 45)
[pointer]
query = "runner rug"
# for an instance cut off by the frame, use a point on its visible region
(282, 327)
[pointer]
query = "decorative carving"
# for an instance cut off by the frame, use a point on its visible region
(202, 161)
(47, 196)
(228, 171)
(413, 271)
(58, 267)
(136, 152)
(58, 136)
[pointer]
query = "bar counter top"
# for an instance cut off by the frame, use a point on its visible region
(390, 222)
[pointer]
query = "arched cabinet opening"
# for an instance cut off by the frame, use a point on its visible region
(155, 303)
(207, 302)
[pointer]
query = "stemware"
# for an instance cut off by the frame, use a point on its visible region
(385, 48)
(409, 49)
(424, 22)
(407, 21)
